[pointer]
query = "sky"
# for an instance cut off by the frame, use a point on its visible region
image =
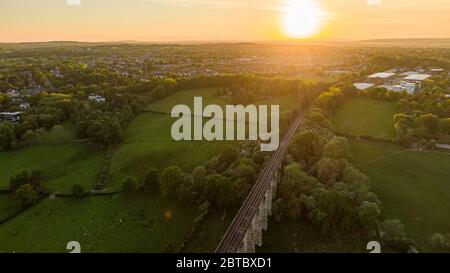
(213, 20)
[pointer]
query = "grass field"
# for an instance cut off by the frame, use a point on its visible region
(365, 116)
(413, 186)
(8, 206)
(119, 223)
(63, 164)
(187, 97)
(148, 144)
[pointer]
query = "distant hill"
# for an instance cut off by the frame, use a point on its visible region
(412, 42)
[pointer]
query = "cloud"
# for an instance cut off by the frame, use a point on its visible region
(73, 2)
(374, 2)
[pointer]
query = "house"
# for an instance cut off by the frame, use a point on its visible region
(97, 98)
(410, 87)
(417, 79)
(25, 105)
(12, 93)
(363, 85)
(436, 70)
(395, 88)
(381, 78)
(10, 116)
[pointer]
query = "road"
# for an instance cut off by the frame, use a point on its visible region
(232, 239)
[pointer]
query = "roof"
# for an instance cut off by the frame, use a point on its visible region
(382, 75)
(409, 73)
(10, 113)
(363, 85)
(417, 77)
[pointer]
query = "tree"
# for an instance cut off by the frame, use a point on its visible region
(392, 229)
(7, 136)
(369, 213)
(394, 234)
(78, 190)
(430, 122)
(444, 125)
(26, 195)
(151, 181)
(228, 155)
(330, 170)
(29, 138)
(169, 181)
(199, 174)
(337, 147)
(26, 176)
(440, 241)
(307, 148)
(130, 185)
(186, 190)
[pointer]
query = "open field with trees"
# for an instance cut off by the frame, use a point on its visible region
(366, 117)
(90, 130)
(116, 223)
(413, 186)
(148, 144)
(63, 164)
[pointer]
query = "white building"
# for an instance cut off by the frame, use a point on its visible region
(417, 79)
(410, 87)
(382, 77)
(10, 116)
(12, 93)
(25, 105)
(363, 85)
(97, 98)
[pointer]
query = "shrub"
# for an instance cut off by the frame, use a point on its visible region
(151, 181)
(439, 241)
(26, 195)
(394, 235)
(130, 185)
(78, 190)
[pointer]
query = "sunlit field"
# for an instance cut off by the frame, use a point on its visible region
(63, 164)
(366, 117)
(413, 186)
(101, 224)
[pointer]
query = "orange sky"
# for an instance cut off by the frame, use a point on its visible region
(176, 20)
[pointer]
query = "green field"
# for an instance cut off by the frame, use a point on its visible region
(143, 223)
(63, 164)
(187, 97)
(120, 223)
(413, 186)
(366, 117)
(148, 144)
(8, 206)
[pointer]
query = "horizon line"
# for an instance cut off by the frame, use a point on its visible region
(308, 40)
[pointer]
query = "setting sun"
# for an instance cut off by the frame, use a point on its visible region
(302, 18)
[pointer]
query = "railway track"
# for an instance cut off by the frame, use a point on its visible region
(234, 235)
